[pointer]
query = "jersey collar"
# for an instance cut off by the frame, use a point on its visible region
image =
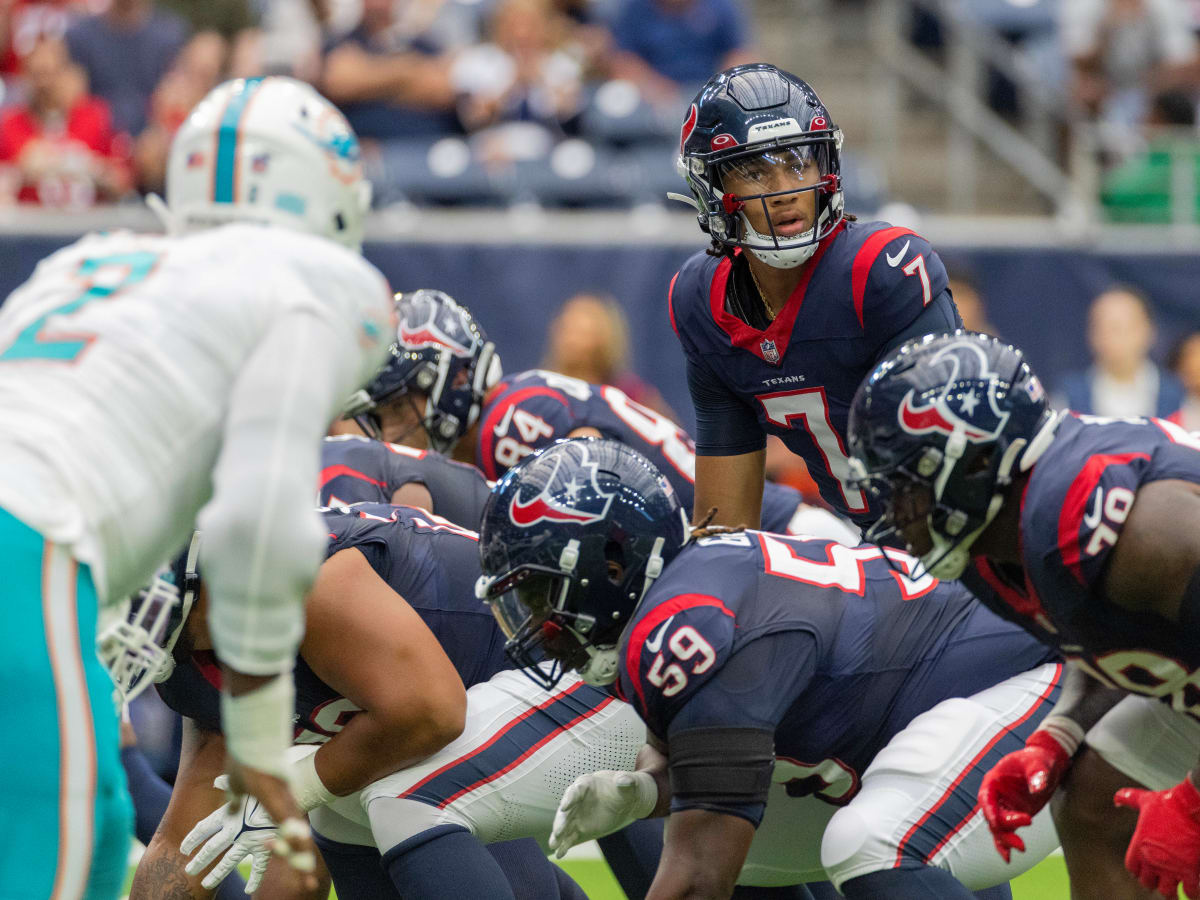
(770, 345)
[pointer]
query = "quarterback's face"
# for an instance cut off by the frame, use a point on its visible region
(788, 176)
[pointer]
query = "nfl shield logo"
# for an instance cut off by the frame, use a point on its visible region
(770, 354)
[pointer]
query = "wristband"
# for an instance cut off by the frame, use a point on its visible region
(1066, 732)
(258, 725)
(306, 785)
(647, 793)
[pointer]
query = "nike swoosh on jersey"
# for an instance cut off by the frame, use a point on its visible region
(654, 644)
(894, 261)
(501, 428)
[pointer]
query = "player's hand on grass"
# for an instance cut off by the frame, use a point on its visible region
(1018, 786)
(601, 803)
(238, 829)
(292, 841)
(1164, 853)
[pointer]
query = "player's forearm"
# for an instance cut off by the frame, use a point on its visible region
(1084, 700)
(371, 747)
(653, 762)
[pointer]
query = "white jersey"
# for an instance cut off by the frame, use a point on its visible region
(149, 384)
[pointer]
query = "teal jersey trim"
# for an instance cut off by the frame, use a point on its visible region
(227, 140)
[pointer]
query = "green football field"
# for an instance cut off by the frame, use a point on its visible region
(1046, 881)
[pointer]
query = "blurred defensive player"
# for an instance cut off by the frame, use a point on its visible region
(759, 660)
(148, 382)
(794, 302)
(1086, 531)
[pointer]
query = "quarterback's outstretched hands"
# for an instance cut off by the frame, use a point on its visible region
(1164, 853)
(600, 803)
(239, 829)
(1018, 787)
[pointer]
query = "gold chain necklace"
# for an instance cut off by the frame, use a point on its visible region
(762, 295)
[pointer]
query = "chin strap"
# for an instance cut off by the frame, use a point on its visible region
(162, 212)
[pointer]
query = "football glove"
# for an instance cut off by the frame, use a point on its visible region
(1018, 787)
(1164, 853)
(600, 803)
(238, 829)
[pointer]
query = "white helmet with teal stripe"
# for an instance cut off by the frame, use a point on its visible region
(268, 150)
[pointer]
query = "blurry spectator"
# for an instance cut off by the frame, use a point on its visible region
(292, 37)
(61, 144)
(24, 22)
(970, 305)
(125, 52)
(523, 74)
(233, 20)
(387, 84)
(1120, 49)
(1122, 380)
(1140, 190)
(196, 71)
(1185, 363)
(669, 46)
(589, 340)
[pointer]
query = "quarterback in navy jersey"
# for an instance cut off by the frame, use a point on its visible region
(794, 302)
(419, 636)
(357, 469)
(530, 410)
(1083, 529)
(763, 661)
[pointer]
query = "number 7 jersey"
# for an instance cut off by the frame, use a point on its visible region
(141, 375)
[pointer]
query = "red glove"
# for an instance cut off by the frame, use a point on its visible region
(1165, 850)
(1020, 785)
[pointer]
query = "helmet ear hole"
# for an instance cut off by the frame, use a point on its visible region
(339, 222)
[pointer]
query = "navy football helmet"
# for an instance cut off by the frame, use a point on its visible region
(952, 417)
(440, 351)
(136, 648)
(572, 538)
(746, 119)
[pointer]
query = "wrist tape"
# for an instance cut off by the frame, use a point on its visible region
(258, 725)
(1067, 733)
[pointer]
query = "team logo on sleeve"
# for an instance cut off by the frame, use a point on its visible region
(965, 401)
(574, 497)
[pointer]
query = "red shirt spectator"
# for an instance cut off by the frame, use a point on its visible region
(25, 22)
(62, 144)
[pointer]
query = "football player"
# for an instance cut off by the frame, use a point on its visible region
(397, 587)
(1087, 531)
(423, 400)
(531, 410)
(766, 666)
(147, 382)
(794, 302)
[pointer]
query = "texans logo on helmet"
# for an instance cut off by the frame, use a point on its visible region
(430, 335)
(582, 504)
(977, 420)
(689, 124)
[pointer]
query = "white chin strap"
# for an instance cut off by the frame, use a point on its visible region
(787, 257)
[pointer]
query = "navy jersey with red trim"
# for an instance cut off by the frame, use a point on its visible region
(530, 410)
(865, 287)
(356, 469)
(1072, 512)
(429, 562)
(826, 645)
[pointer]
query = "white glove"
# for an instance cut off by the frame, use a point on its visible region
(241, 827)
(600, 803)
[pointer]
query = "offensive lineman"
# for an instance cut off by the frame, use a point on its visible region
(147, 383)
(1084, 530)
(766, 665)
